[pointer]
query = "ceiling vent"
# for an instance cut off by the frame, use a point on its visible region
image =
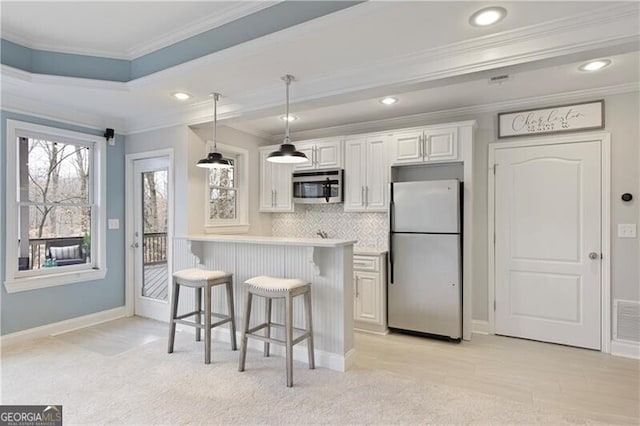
(499, 79)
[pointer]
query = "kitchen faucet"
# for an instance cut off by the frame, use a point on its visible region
(322, 234)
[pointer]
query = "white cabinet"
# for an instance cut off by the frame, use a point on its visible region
(366, 174)
(369, 284)
(428, 145)
(275, 184)
(322, 154)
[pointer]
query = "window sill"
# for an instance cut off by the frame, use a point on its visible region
(16, 285)
(227, 229)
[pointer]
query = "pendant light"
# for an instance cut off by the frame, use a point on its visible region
(287, 153)
(215, 160)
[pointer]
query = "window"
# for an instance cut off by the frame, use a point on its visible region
(223, 194)
(54, 198)
(227, 193)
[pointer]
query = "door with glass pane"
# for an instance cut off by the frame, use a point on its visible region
(151, 217)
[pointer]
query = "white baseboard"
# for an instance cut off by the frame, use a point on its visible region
(63, 326)
(330, 360)
(480, 327)
(364, 330)
(625, 349)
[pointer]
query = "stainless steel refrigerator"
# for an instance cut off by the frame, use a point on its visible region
(425, 287)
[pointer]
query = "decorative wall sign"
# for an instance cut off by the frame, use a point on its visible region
(557, 119)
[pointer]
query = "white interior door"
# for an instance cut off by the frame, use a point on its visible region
(151, 216)
(548, 243)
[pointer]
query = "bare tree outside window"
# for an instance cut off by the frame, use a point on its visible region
(54, 200)
(223, 193)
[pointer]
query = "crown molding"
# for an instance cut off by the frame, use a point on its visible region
(421, 119)
(248, 48)
(57, 47)
(38, 108)
(15, 76)
(612, 27)
(232, 12)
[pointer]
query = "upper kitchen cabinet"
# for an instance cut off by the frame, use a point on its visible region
(426, 145)
(366, 173)
(275, 184)
(322, 154)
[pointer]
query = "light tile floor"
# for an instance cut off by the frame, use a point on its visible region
(600, 387)
(592, 385)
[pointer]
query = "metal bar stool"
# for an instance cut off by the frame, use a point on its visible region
(199, 279)
(278, 288)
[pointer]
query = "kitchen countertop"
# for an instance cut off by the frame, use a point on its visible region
(261, 239)
(369, 251)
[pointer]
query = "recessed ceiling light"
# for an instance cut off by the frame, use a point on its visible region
(181, 96)
(388, 100)
(595, 65)
(488, 16)
(288, 118)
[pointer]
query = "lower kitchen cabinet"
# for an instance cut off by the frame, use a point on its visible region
(369, 285)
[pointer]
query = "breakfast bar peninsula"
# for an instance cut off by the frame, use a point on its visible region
(325, 263)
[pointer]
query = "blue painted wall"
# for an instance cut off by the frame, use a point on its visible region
(28, 309)
(270, 20)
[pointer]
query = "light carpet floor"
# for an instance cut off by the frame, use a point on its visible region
(145, 385)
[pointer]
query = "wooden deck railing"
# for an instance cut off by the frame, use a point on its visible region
(38, 248)
(154, 247)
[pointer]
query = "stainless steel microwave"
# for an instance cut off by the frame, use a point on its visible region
(317, 187)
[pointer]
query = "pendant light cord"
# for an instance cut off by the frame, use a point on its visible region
(216, 96)
(287, 81)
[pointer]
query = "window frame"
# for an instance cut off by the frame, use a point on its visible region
(240, 224)
(16, 280)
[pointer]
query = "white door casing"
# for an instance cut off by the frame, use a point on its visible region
(146, 305)
(134, 304)
(548, 198)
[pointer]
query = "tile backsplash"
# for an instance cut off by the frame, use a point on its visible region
(369, 229)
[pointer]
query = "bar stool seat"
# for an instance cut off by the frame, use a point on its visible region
(187, 276)
(278, 288)
(199, 279)
(275, 284)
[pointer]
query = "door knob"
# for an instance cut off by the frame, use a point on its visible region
(593, 255)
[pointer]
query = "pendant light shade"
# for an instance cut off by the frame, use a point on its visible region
(287, 153)
(215, 160)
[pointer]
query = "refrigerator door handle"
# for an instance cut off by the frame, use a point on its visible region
(391, 257)
(391, 233)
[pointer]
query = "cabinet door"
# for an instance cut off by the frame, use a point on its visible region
(308, 150)
(441, 144)
(282, 187)
(267, 199)
(354, 174)
(377, 177)
(407, 147)
(368, 307)
(328, 154)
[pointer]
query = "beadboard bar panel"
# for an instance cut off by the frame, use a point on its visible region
(328, 269)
